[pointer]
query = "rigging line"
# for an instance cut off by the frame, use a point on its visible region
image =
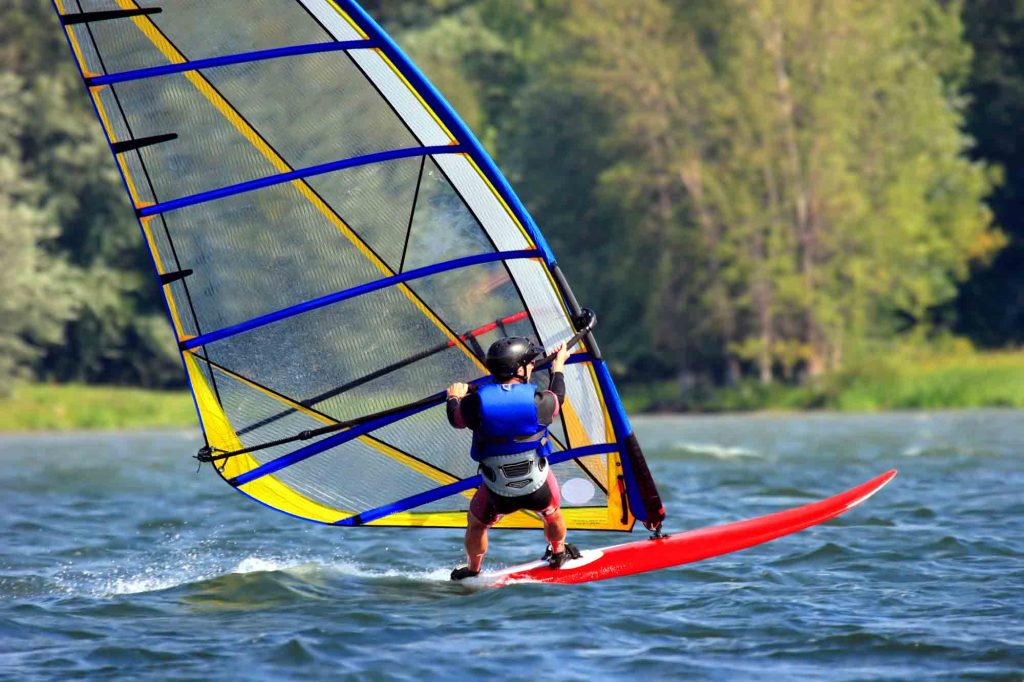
(353, 292)
(289, 176)
(356, 428)
(568, 409)
(385, 448)
(378, 373)
(156, 36)
(374, 421)
(412, 213)
(568, 413)
(227, 60)
(486, 233)
(436, 494)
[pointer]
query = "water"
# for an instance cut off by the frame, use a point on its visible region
(117, 561)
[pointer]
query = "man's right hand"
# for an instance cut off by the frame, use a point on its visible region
(561, 355)
(458, 390)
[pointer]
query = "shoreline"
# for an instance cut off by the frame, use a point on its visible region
(37, 409)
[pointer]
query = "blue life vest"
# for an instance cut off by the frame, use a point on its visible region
(510, 444)
(508, 422)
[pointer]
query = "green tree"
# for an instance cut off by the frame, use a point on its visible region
(781, 182)
(991, 305)
(38, 285)
(118, 333)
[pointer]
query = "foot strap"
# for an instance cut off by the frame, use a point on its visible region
(558, 559)
(463, 572)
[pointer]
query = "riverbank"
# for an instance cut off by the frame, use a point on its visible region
(927, 381)
(69, 407)
(919, 381)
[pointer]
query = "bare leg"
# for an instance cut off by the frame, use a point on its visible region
(476, 542)
(554, 531)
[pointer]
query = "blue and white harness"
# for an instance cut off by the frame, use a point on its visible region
(510, 445)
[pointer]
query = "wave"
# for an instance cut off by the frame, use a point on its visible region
(195, 573)
(715, 451)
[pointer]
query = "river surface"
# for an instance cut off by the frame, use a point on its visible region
(118, 561)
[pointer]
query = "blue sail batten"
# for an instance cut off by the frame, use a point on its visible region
(355, 292)
(228, 60)
(444, 491)
(290, 176)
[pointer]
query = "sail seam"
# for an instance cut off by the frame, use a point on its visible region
(440, 107)
(383, 447)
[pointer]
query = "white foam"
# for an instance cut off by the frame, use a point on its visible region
(197, 566)
(715, 450)
(255, 564)
(350, 568)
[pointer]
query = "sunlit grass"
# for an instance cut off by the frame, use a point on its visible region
(976, 380)
(53, 407)
(921, 380)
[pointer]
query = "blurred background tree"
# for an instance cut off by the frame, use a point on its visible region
(114, 328)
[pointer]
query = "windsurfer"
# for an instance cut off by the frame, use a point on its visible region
(510, 420)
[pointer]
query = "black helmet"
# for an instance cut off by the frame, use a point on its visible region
(506, 356)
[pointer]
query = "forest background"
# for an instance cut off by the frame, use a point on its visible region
(770, 203)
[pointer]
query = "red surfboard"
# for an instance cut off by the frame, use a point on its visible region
(683, 548)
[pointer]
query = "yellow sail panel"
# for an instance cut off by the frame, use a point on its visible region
(221, 435)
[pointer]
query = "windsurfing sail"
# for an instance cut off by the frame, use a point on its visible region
(333, 242)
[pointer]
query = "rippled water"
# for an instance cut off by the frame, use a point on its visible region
(117, 561)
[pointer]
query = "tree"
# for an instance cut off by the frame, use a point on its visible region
(118, 333)
(991, 304)
(39, 287)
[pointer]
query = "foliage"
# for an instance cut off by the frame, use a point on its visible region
(787, 177)
(38, 286)
(910, 376)
(93, 274)
(48, 407)
(990, 308)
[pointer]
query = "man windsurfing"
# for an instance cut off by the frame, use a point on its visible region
(510, 419)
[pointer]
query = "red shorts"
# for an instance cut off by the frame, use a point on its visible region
(488, 508)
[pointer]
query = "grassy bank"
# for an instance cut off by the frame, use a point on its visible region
(907, 380)
(49, 407)
(918, 381)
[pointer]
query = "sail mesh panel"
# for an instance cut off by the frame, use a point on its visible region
(263, 251)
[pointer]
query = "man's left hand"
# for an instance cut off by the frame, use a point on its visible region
(458, 390)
